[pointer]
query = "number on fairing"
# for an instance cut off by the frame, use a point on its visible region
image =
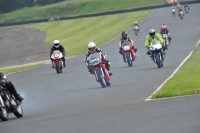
(94, 62)
(164, 35)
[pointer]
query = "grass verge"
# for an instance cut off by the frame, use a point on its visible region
(18, 69)
(185, 81)
(74, 7)
(75, 34)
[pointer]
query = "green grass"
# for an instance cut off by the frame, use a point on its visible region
(74, 7)
(76, 34)
(185, 81)
(18, 69)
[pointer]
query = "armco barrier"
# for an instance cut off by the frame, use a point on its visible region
(99, 14)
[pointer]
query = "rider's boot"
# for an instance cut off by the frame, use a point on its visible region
(64, 62)
(13, 91)
(108, 68)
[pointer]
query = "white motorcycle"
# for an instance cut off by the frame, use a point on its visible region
(187, 10)
(166, 40)
(136, 30)
(174, 12)
(156, 52)
(57, 61)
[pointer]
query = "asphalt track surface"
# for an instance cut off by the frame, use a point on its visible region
(73, 102)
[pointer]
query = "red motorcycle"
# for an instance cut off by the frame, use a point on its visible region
(99, 69)
(136, 30)
(128, 53)
(58, 63)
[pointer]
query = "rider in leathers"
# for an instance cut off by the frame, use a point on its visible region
(93, 49)
(8, 85)
(165, 30)
(58, 46)
(136, 24)
(150, 37)
(125, 37)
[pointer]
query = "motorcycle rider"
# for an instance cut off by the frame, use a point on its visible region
(164, 30)
(150, 37)
(10, 87)
(125, 37)
(136, 24)
(173, 9)
(58, 46)
(93, 49)
(180, 11)
(186, 6)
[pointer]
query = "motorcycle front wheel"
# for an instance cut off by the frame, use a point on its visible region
(18, 111)
(3, 114)
(129, 61)
(158, 60)
(57, 68)
(101, 78)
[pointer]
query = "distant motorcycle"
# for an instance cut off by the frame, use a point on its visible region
(128, 53)
(101, 73)
(181, 14)
(58, 63)
(187, 10)
(136, 30)
(166, 40)
(174, 12)
(8, 104)
(156, 52)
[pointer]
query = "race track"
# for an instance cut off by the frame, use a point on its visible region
(73, 102)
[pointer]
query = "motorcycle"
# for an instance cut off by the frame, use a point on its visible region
(8, 104)
(99, 69)
(174, 12)
(136, 30)
(58, 63)
(156, 54)
(166, 40)
(187, 10)
(128, 53)
(181, 14)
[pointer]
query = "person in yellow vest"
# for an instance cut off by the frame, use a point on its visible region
(153, 35)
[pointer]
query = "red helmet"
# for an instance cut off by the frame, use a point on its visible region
(164, 26)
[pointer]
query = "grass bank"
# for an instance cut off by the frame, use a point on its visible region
(74, 7)
(18, 69)
(75, 34)
(185, 81)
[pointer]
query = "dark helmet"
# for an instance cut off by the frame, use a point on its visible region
(124, 35)
(56, 43)
(152, 32)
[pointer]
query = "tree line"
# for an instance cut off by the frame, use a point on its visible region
(12, 5)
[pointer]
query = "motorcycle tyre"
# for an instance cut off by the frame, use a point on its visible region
(100, 79)
(129, 61)
(158, 61)
(3, 117)
(57, 68)
(17, 113)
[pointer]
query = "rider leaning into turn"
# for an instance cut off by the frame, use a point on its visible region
(153, 35)
(165, 30)
(10, 87)
(58, 46)
(125, 37)
(93, 49)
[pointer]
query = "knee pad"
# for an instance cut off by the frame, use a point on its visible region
(148, 52)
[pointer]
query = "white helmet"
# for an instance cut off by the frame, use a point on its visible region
(135, 22)
(91, 47)
(56, 43)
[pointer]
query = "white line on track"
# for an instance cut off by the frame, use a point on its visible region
(149, 98)
(198, 43)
